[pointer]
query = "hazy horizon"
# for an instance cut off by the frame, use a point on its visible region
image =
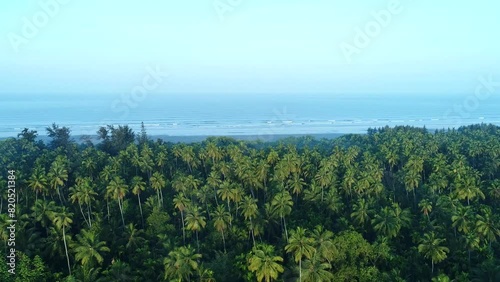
(250, 47)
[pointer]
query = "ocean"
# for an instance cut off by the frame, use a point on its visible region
(243, 114)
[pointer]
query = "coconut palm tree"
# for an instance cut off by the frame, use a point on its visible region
(62, 220)
(301, 246)
(386, 223)
(282, 205)
(38, 181)
(362, 211)
(117, 189)
(264, 263)
(487, 226)
(43, 211)
(468, 188)
(462, 219)
(58, 175)
(138, 185)
(425, 207)
(134, 237)
(430, 247)
(195, 221)
(249, 210)
(221, 219)
(314, 270)
(77, 195)
(323, 243)
(181, 263)
(225, 192)
(181, 203)
(88, 249)
(158, 182)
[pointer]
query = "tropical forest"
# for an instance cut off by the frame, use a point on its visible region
(393, 204)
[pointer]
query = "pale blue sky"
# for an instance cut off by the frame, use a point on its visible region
(276, 46)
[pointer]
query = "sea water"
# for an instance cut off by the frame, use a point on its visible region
(243, 114)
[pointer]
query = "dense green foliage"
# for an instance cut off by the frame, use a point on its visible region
(396, 204)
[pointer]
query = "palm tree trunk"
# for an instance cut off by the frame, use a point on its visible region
(183, 231)
(300, 270)
(253, 237)
(215, 196)
(59, 194)
(161, 197)
(197, 241)
(81, 210)
(432, 266)
(107, 205)
(286, 231)
(140, 208)
(88, 211)
(158, 195)
(121, 212)
(224, 241)
(66, 249)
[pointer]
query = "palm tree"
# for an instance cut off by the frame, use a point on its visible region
(462, 219)
(221, 219)
(214, 152)
(58, 175)
(237, 195)
(264, 263)
(323, 243)
(76, 195)
(301, 246)
(250, 210)
(158, 182)
(133, 237)
(181, 263)
(38, 181)
(386, 223)
(162, 158)
(189, 157)
(441, 278)
(431, 248)
(43, 211)
(425, 207)
(181, 203)
(138, 185)
(296, 184)
(282, 205)
(117, 189)
(468, 188)
(362, 211)
(486, 226)
(195, 221)
(61, 221)
(494, 190)
(88, 249)
(89, 164)
(314, 270)
(225, 192)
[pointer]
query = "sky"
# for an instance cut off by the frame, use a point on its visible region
(248, 46)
